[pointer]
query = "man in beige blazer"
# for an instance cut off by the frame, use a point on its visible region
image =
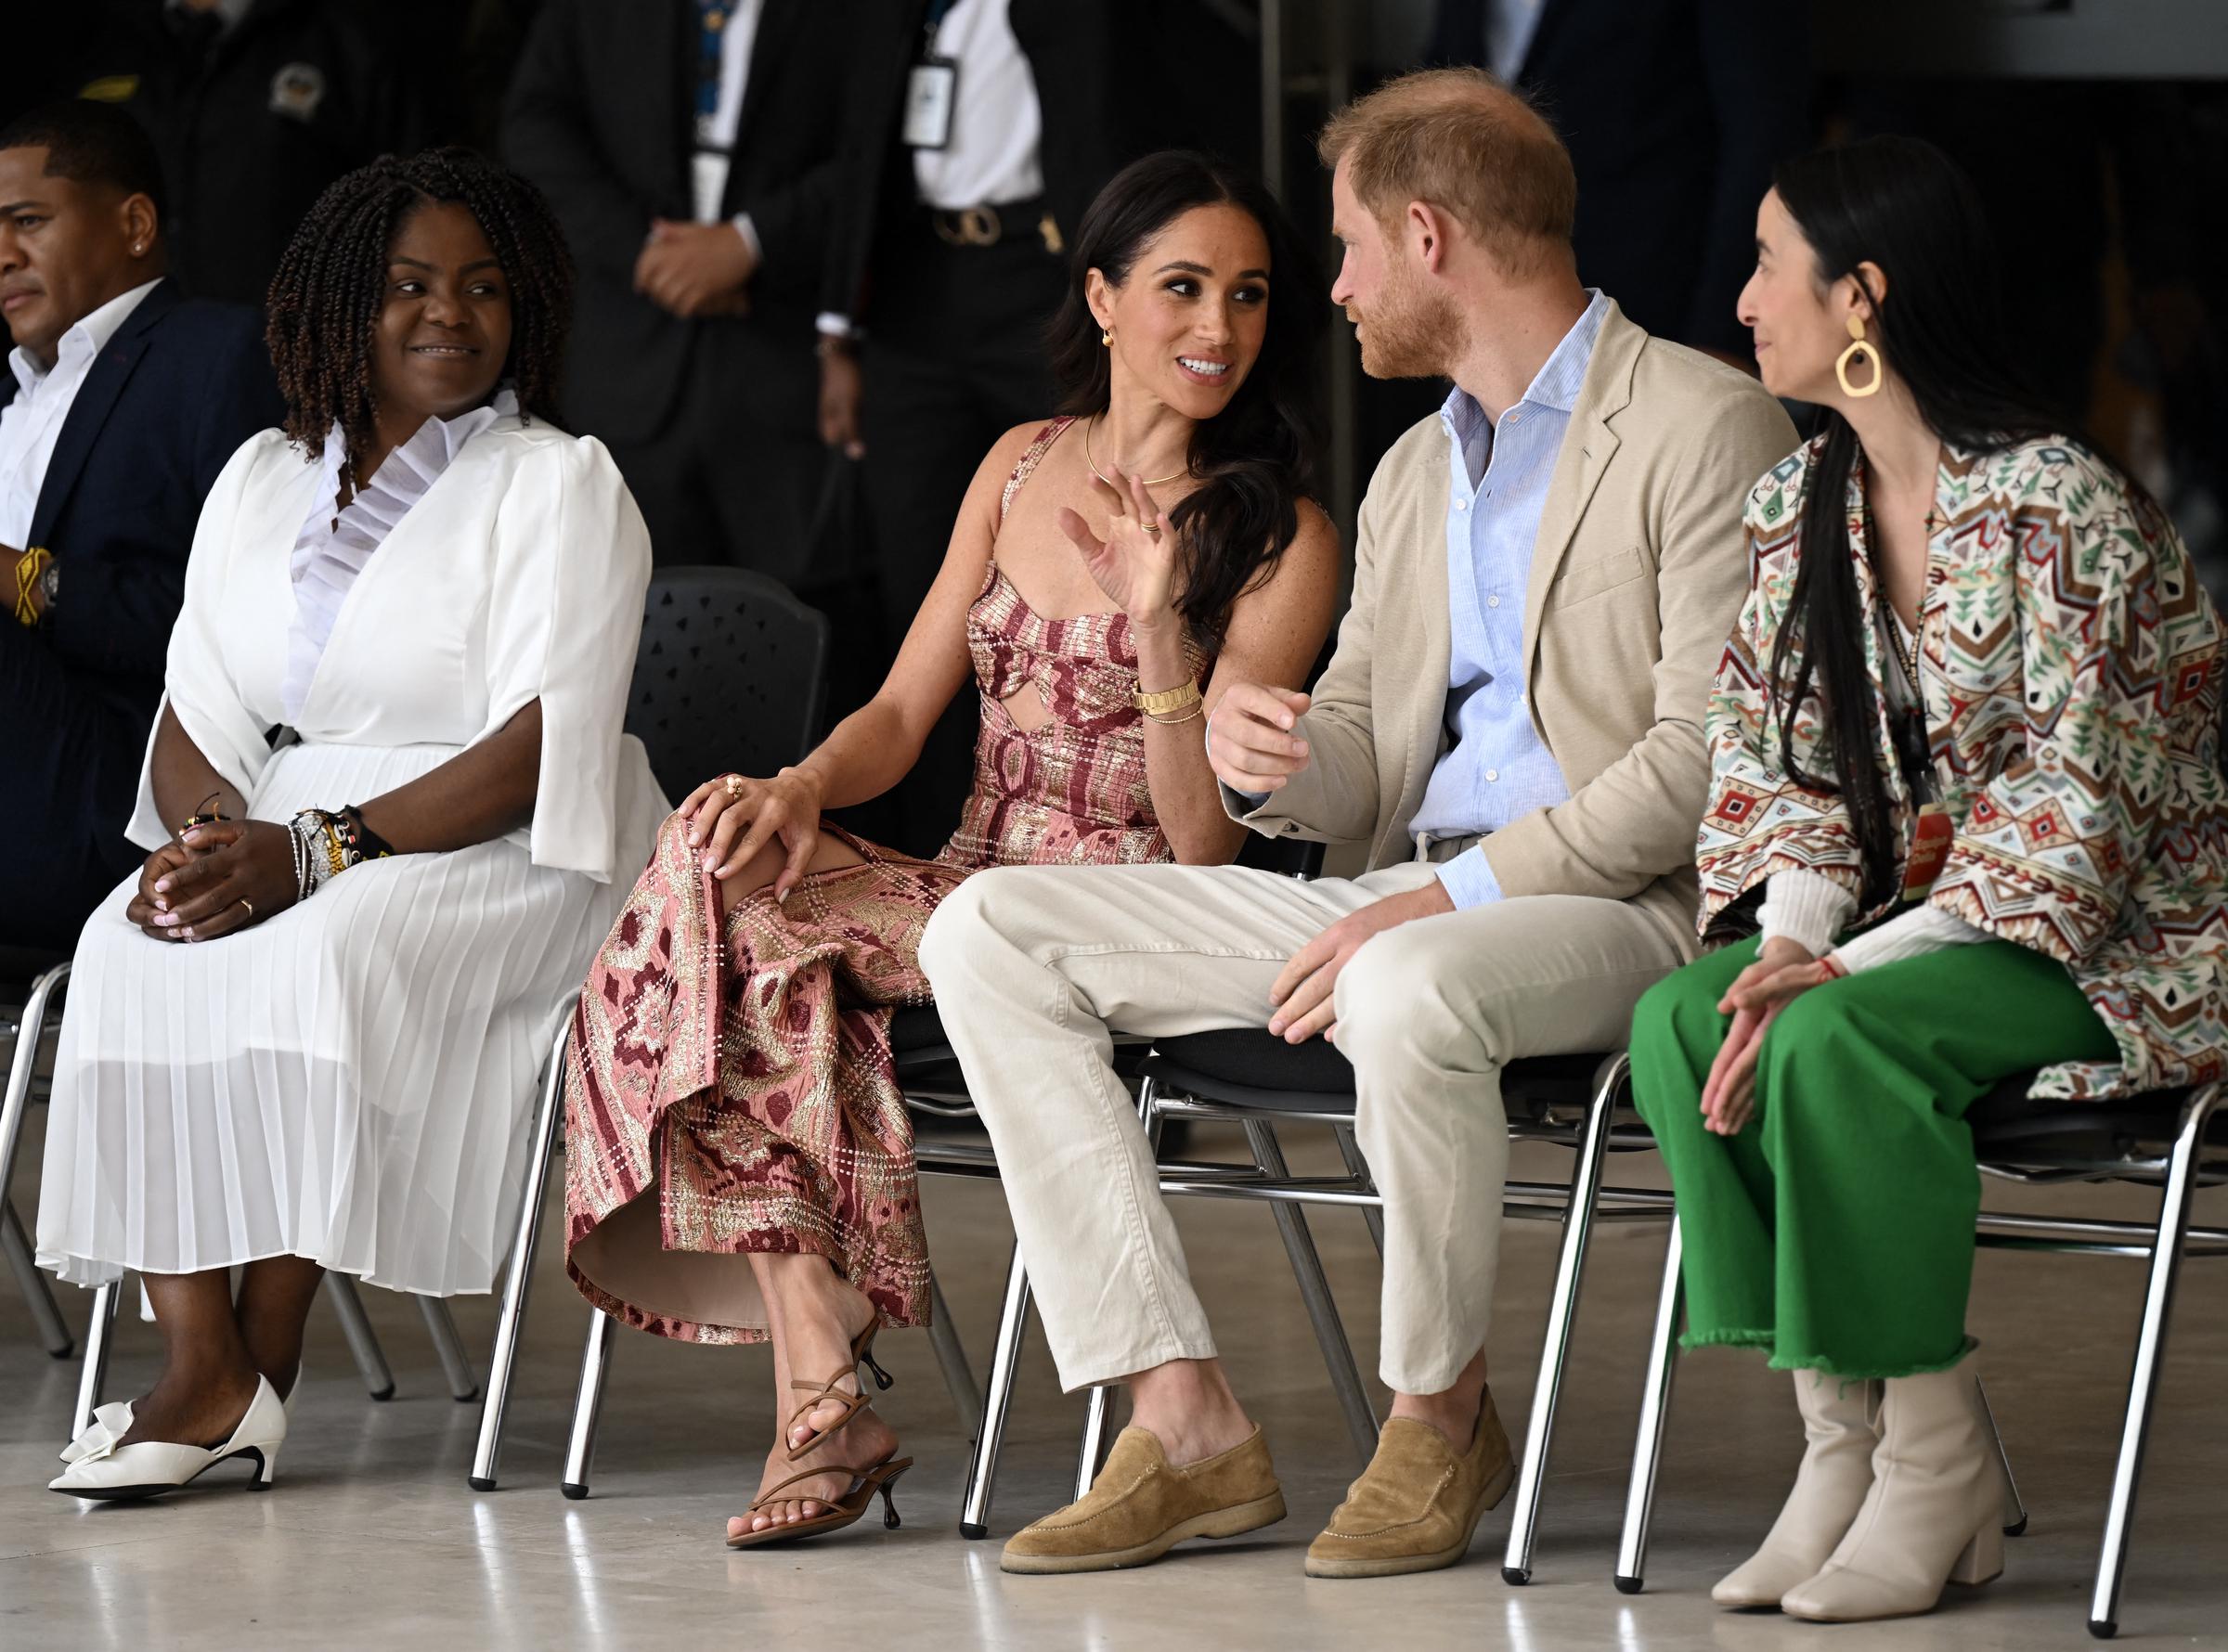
(1529, 789)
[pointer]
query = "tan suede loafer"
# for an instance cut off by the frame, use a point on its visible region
(1141, 1506)
(1417, 1503)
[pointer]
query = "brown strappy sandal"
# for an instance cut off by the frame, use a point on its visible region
(865, 1482)
(821, 1392)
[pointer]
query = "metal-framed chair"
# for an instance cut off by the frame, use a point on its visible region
(2172, 1140)
(1580, 1100)
(730, 674)
(34, 980)
(41, 1009)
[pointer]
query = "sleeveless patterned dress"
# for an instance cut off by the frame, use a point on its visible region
(730, 1088)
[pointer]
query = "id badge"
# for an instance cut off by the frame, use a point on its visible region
(1930, 840)
(931, 93)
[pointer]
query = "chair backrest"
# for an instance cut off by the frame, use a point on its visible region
(730, 676)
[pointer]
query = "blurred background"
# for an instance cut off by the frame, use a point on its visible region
(2096, 129)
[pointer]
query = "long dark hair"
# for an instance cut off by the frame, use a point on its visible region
(1901, 203)
(1256, 460)
(326, 296)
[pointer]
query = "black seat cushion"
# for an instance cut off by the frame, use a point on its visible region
(2010, 1126)
(1250, 1067)
(20, 966)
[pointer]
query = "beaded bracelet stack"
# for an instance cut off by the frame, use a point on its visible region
(327, 844)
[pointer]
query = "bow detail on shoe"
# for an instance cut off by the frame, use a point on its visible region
(110, 1423)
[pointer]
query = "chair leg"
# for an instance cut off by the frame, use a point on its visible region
(1005, 1357)
(1315, 1290)
(1655, 1411)
(1562, 1307)
(455, 1364)
(518, 1278)
(2150, 1349)
(1091, 1454)
(2014, 1509)
(92, 1376)
(22, 1064)
(951, 1359)
(587, 1405)
(363, 1342)
(52, 1330)
(1373, 1216)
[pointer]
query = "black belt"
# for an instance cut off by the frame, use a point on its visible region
(993, 226)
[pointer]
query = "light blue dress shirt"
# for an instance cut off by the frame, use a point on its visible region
(1497, 769)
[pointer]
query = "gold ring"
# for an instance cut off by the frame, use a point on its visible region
(734, 783)
(249, 905)
(1150, 527)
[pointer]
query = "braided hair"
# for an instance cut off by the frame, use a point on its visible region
(326, 297)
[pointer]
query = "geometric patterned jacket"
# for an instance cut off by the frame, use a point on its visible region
(2071, 666)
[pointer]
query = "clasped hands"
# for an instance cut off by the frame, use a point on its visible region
(217, 879)
(695, 269)
(1783, 970)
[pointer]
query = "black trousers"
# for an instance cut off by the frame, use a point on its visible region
(730, 481)
(954, 357)
(70, 759)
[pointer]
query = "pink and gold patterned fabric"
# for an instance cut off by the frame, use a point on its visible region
(740, 1075)
(2071, 668)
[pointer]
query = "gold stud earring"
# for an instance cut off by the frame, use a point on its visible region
(1106, 337)
(1859, 349)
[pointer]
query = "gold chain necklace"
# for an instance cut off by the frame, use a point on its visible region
(1157, 481)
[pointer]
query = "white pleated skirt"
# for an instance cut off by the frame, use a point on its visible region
(350, 1080)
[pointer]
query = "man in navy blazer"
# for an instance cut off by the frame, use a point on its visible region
(122, 402)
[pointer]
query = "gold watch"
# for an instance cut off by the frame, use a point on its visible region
(1167, 700)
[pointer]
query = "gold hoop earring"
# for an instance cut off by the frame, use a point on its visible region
(1858, 347)
(1106, 337)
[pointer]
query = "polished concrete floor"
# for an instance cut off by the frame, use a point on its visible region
(371, 1538)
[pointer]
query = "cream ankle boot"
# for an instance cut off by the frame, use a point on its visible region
(1933, 1515)
(1830, 1488)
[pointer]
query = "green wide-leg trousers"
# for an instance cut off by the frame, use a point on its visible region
(1836, 1230)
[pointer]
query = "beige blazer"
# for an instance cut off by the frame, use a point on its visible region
(1637, 578)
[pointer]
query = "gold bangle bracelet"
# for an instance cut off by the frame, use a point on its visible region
(1166, 722)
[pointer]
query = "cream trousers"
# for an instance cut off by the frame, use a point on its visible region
(1033, 966)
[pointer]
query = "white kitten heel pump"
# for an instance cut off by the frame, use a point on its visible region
(102, 1469)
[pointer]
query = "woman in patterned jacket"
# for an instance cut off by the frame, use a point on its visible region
(1965, 787)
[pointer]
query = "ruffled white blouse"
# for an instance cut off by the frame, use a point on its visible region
(333, 545)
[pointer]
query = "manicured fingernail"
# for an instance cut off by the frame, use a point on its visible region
(167, 918)
(162, 885)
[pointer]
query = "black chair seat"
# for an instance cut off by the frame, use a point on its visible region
(20, 966)
(2010, 1125)
(1248, 1067)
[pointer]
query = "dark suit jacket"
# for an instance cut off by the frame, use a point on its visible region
(1675, 112)
(253, 130)
(168, 401)
(601, 115)
(1103, 84)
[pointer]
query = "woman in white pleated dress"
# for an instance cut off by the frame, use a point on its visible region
(387, 799)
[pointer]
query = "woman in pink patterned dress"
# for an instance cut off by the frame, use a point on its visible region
(741, 1161)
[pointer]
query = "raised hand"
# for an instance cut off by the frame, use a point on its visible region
(1250, 741)
(730, 819)
(1135, 564)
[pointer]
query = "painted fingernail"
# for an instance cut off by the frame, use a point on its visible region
(162, 885)
(166, 918)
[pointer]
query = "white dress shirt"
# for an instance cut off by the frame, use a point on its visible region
(32, 423)
(997, 122)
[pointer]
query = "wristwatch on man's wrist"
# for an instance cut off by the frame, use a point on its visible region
(50, 585)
